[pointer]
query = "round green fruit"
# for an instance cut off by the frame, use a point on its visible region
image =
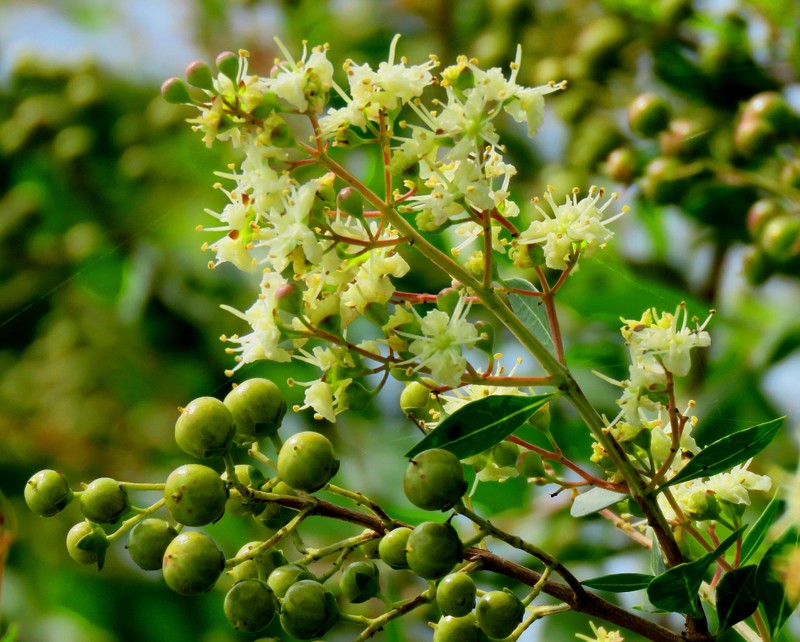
(148, 541)
(360, 581)
(104, 501)
(283, 577)
(306, 461)
(499, 613)
(250, 605)
(392, 547)
(258, 566)
(648, 114)
(205, 428)
(458, 629)
(192, 563)
(505, 454)
(433, 549)
(195, 495)
(48, 493)
(434, 480)
(76, 540)
(455, 594)
(308, 610)
(258, 408)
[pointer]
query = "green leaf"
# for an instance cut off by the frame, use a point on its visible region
(530, 311)
(481, 424)
(620, 582)
(771, 594)
(677, 588)
(758, 531)
(727, 452)
(593, 500)
(736, 596)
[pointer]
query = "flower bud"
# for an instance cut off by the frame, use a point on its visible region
(198, 74)
(228, 64)
(780, 237)
(175, 92)
(349, 202)
(753, 136)
(621, 165)
(760, 212)
(447, 300)
(684, 138)
(772, 108)
(486, 333)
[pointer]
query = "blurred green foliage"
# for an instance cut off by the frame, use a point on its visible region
(110, 318)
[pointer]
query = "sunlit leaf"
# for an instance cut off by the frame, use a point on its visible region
(593, 500)
(530, 311)
(736, 596)
(758, 531)
(481, 424)
(771, 594)
(620, 582)
(727, 452)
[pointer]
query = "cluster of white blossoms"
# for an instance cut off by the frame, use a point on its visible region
(300, 221)
(660, 348)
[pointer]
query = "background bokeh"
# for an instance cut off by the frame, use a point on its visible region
(109, 317)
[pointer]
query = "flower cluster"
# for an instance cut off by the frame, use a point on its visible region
(325, 246)
(660, 348)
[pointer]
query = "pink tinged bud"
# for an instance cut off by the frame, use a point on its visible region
(198, 74)
(228, 64)
(175, 92)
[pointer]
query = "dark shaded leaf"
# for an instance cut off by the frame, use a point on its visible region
(481, 424)
(769, 585)
(593, 500)
(677, 588)
(736, 596)
(758, 531)
(620, 582)
(727, 452)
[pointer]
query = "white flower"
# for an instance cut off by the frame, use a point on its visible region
(734, 485)
(302, 84)
(576, 226)
(372, 283)
(440, 346)
(659, 342)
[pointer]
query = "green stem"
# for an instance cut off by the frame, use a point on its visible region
(277, 537)
(519, 543)
(378, 623)
(125, 526)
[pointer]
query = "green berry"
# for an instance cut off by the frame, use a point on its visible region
(258, 408)
(48, 493)
(283, 577)
(753, 136)
(87, 543)
(648, 114)
(772, 108)
(529, 464)
(205, 428)
(104, 501)
(505, 453)
(195, 495)
(760, 212)
(455, 594)
(250, 477)
(433, 549)
(458, 629)
(434, 480)
(684, 138)
(780, 237)
(192, 563)
(250, 605)
(360, 581)
(499, 613)
(415, 399)
(306, 461)
(621, 165)
(447, 300)
(308, 610)
(260, 565)
(148, 541)
(392, 547)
